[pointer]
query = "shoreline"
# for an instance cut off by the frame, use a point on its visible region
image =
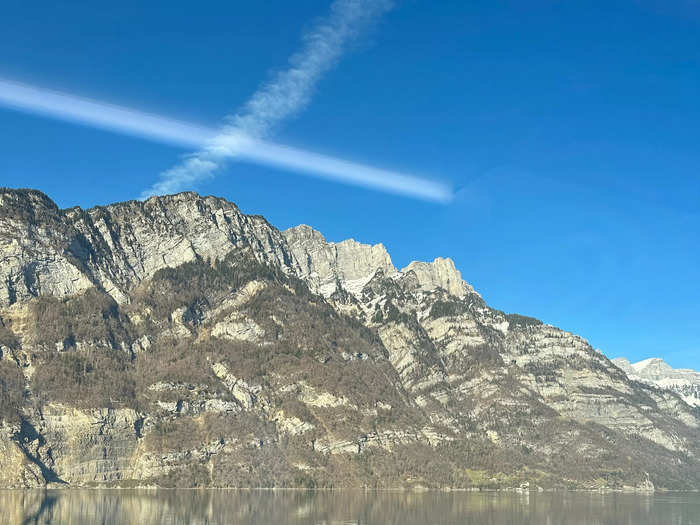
(357, 489)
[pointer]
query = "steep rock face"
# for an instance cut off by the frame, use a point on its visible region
(52, 252)
(179, 342)
(441, 273)
(35, 243)
(323, 265)
(350, 264)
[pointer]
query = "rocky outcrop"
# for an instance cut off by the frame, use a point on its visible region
(325, 265)
(351, 265)
(441, 273)
(179, 342)
(51, 252)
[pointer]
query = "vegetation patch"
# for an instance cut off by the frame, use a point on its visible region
(11, 391)
(89, 378)
(448, 309)
(92, 316)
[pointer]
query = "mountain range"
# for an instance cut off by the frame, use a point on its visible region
(180, 342)
(657, 372)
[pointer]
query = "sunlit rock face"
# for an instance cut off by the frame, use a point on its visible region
(180, 342)
(52, 252)
(441, 273)
(326, 265)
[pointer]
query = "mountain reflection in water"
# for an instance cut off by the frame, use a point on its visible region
(211, 507)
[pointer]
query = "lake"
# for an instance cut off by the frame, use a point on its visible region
(212, 507)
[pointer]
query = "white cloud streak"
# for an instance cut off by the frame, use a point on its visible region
(132, 122)
(102, 115)
(290, 90)
(339, 170)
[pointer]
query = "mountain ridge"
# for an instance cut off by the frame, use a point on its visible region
(180, 342)
(364, 251)
(655, 371)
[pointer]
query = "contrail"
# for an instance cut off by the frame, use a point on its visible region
(290, 90)
(132, 122)
(284, 96)
(103, 115)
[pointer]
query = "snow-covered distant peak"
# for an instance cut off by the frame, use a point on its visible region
(653, 364)
(655, 371)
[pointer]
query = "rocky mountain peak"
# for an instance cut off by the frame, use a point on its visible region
(353, 264)
(62, 252)
(304, 233)
(623, 364)
(36, 198)
(441, 273)
(324, 264)
(655, 371)
(654, 366)
(25, 204)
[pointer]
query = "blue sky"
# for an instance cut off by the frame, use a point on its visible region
(568, 128)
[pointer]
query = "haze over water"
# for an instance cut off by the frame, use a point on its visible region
(213, 507)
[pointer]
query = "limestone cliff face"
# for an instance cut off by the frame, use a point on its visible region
(179, 342)
(350, 264)
(324, 265)
(52, 252)
(441, 273)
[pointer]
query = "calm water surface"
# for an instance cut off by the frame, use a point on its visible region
(188, 507)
